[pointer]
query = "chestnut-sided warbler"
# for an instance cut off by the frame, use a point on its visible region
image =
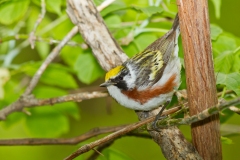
(150, 78)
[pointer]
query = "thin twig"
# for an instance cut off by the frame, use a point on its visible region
(61, 141)
(48, 60)
(39, 20)
(77, 97)
(99, 150)
(31, 101)
(226, 92)
(42, 39)
(235, 109)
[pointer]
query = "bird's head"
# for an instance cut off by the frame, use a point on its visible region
(119, 77)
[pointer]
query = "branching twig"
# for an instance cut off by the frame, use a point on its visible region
(162, 123)
(39, 20)
(18, 105)
(203, 115)
(121, 130)
(108, 138)
(117, 134)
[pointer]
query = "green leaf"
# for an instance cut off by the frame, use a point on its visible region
(48, 92)
(113, 21)
(54, 6)
(55, 74)
(87, 68)
(4, 77)
(115, 6)
(43, 49)
(226, 140)
(13, 10)
(49, 121)
(70, 59)
(46, 122)
(67, 108)
(235, 65)
(215, 31)
(111, 153)
(150, 10)
(4, 46)
(232, 81)
(130, 49)
(59, 78)
(62, 29)
(224, 43)
(223, 62)
(217, 6)
(143, 40)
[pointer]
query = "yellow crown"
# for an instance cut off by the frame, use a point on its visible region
(113, 72)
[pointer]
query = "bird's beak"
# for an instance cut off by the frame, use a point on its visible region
(106, 84)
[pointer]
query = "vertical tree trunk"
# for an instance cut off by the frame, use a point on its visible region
(201, 84)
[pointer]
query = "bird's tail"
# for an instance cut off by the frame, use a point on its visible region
(175, 25)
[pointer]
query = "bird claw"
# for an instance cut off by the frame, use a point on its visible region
(159, 116)
(154, 125)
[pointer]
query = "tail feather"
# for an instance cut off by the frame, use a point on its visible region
(175, 25)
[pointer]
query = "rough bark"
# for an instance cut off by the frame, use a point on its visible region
(172, 142)
(201, 84)
(108, 52)
(85, 15)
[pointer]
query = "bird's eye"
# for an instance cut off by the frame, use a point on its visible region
(120, 77)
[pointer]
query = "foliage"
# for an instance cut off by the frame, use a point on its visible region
(134, 24)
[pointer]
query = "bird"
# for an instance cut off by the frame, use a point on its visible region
(150, 78)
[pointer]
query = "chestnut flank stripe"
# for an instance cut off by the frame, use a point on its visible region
(145, 95)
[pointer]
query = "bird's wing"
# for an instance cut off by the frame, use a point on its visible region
(150, 64)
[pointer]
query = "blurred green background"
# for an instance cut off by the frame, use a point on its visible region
(76, 70)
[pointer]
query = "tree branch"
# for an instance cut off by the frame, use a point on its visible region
(200, 78)
(94, 31)
(61, 141)
(18, 105)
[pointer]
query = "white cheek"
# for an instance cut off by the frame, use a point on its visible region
(130, 79)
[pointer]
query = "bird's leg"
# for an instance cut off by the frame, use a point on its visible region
(159, 115)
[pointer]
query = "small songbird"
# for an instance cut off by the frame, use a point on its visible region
(150, 78)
